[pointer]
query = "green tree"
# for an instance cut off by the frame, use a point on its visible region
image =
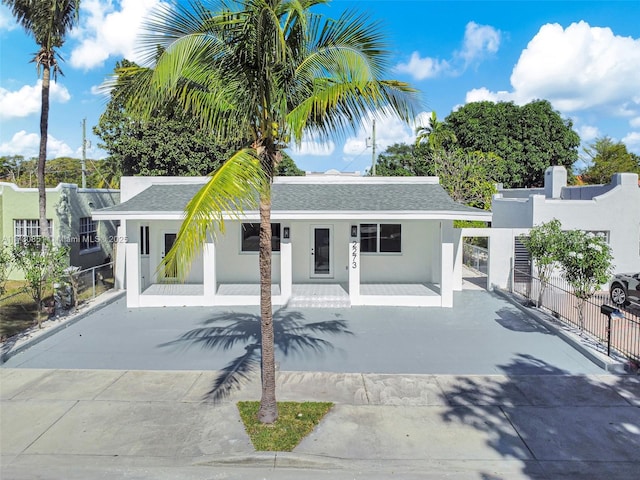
(544, 244)
(6, 262)
(401, 160)
(466, 176)
(167, 143)
(42, 265)
(605, 158)
(48, 21)
(288, 168)
(528, 138)
(585, 260)
(269, 71)
(435, 135)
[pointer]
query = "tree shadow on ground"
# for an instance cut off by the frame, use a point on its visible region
(557, 425)
(292, 336)
(517, 321)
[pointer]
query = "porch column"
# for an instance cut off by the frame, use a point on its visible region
(286, 269)
(209, 273)
(120, 256)
(354, 267)
(446, 276)
(132, 274)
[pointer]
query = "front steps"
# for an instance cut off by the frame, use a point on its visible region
(318, 296)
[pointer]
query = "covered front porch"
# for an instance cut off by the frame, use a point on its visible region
(321, 293)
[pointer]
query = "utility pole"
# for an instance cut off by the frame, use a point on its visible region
(84, 153)
(373, 149)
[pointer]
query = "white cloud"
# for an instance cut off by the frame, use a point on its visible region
(28, 144)
(483, 94)
(577, 68)
(27, 100)
(588, 133)
(632, 141)
(313, 148)
(478, 42)
(110, 29)
(7, 21)
(389, 130)
(421, 68)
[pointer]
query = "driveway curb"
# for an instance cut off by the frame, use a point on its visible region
(614, 364)
(6, 355)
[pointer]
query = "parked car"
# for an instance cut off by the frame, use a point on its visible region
(624, 288)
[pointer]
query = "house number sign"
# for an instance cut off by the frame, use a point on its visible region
(354, 255)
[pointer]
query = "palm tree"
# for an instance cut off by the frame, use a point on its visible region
(48, 21)
(435, 134)
(270, 71)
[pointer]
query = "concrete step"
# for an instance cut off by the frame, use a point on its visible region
(324, 301)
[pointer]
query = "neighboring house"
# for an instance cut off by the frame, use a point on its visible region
(612, 210)
(69, 211)
(337, 239)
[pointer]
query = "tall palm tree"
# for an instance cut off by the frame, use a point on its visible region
(270, 71)
(435, 134)
(48, 21)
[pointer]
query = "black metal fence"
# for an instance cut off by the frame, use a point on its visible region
(558, 299)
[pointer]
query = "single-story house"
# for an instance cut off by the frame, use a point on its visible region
(69, 210)
(338, 239)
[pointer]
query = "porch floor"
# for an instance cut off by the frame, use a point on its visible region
(408, 289)
(169, 289)
(245, 289)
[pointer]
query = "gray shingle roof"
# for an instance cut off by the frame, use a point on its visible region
(327, 197)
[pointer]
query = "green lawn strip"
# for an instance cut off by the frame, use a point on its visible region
(295, 421)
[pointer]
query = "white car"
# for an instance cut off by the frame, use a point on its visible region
(624, 289)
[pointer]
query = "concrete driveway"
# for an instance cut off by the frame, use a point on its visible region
(483, 334)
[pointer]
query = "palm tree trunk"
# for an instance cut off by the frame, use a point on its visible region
(268, 412)
(42, 155)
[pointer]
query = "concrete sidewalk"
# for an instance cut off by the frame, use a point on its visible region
(99, 424)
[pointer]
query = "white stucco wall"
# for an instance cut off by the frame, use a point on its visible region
(616, 211)
(419, 261)
(236, 266)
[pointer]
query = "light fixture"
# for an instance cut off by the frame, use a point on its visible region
(285, 232)
(354, 231)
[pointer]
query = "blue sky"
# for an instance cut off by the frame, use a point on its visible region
(583, 56)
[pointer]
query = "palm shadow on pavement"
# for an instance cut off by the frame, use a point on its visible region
(292, 336)
(554, 424)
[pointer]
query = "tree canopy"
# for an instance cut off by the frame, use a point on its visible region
(528, 138)
(605, 157)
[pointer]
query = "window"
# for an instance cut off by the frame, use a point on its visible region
(601, 233)
(251, 237)
(88, 233)
(27, 231)
(381, 237)
(144, 240)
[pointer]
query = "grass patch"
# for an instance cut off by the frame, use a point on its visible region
(17, 310)
(295, 421)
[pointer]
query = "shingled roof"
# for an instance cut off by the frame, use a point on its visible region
(310, 197)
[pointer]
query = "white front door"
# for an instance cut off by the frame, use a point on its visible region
(321, 251)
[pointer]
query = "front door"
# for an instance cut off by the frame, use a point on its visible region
(169, 240)
(322, 251)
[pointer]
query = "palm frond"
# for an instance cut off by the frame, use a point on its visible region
(232, 188)
(234, 374)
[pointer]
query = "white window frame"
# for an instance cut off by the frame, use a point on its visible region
(145, 244)
(378, 242)
(88, 228)
(29, 230)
